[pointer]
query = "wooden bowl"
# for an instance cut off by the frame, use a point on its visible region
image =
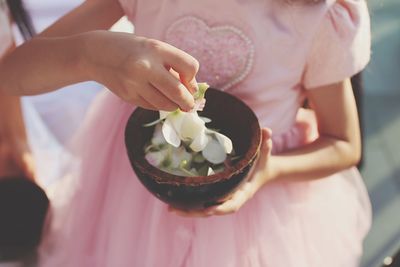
(228, 114)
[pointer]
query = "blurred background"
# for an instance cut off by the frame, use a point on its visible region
(381, 113)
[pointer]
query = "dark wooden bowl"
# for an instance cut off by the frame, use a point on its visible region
(228, 114)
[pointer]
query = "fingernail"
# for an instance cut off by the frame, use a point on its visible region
(194, 85)
(188, 98)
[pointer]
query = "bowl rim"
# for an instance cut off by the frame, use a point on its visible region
(162, 177)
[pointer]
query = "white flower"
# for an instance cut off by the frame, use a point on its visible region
(191, 126)
(179, 155)
(174, 128)
(200, 141)
(214, 152)
(157, 157)
(224, 141)
(181, 126)
(158, 137)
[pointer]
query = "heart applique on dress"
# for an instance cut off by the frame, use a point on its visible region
(225, 53)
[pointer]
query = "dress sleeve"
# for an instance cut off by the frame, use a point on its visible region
(341, 46)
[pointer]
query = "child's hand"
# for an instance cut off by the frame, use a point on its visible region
(258, 176)
(137, 70)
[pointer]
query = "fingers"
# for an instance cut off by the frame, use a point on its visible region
(173, 89)
(157, 99)
(141, 102)
(158, 68)
(266, 143)
(247, 190)
(183, 63)
(192, 87)
(191, 213)
(238, 199)
(265, 152)
(232, 205)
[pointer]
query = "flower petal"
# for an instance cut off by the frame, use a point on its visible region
(170, 134)
(200, 142)
(178, 155)
(224, 141)
(205, 119)
(199, 105)
(158, 137)
(156, 158)
(164, 114)
(176, 119)
(214, 152)
(191, 126)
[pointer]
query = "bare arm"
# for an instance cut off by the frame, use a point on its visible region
(74, 50)
(41, 65)
(338, 146)
(44, 64)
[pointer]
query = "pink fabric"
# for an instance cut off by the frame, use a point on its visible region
(104, 217)
(206, 42)
(343, 41)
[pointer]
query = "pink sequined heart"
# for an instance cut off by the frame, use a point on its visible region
(224, 52)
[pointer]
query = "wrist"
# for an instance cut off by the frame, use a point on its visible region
(82, 61)
(274, 168)
(93, 59)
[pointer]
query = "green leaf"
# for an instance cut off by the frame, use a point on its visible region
(201, 92)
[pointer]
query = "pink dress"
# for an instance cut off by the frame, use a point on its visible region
(267, 53)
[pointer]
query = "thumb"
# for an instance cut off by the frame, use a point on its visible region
(266, 143)
(264, 153)
(266, 146)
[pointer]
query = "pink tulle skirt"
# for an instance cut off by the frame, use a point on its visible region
(102, 216)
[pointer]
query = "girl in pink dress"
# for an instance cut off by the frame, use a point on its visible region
(305, 205)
